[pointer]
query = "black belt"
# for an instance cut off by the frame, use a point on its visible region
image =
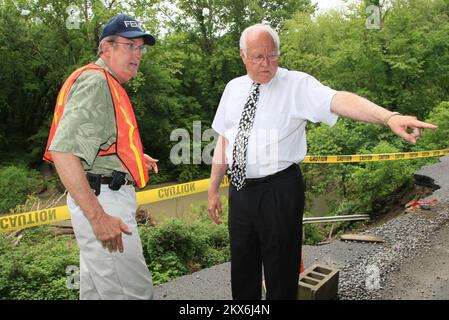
(108, 180)
(252, 181)
(96, 180)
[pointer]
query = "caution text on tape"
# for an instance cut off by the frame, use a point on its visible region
(375, 157)
(13, 222)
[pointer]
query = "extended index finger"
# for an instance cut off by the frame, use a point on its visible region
(424, 125)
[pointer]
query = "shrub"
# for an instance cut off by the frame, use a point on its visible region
(176, 247)
(373, 182)
(312, 233)
(16, 183)
(36, 268)
(437, 139)
(166, 267)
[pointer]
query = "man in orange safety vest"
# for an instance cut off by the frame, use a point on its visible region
(96, 148)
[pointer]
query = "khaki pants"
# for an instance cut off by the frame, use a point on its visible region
(105, 275)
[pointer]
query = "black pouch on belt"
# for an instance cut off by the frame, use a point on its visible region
(94, 182)
(118, 180)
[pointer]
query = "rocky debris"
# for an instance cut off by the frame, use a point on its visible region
(144, 217)
(361, 238)
(14, 236)
(364, 275)
(60, 231)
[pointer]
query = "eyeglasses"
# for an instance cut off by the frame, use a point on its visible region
(258, 59)
(142, 49)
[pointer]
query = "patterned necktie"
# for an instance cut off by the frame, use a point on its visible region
(238, 169)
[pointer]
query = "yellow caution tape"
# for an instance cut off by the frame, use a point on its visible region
(375, 157)
(175, 191)
(35, 218)
(18, 221)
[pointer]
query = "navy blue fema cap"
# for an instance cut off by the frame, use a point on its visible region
(127, 27)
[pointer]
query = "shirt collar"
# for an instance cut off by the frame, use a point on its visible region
(103, 64)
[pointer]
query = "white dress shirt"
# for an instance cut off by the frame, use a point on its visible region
(278, 136)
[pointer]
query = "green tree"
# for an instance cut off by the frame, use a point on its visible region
(403, 66)
(16, 183)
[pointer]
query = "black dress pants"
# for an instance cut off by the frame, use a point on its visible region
(265, 228)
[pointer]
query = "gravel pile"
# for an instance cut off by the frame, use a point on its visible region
(364, 276)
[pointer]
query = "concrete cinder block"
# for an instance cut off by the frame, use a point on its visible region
(318, 282)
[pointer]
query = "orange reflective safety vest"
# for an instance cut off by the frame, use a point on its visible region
(128, 147)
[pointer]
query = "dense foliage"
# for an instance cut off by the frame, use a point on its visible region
(36, 269)
(16, 184)
(176, 248)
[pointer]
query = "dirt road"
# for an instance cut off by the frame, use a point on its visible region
(426, 275)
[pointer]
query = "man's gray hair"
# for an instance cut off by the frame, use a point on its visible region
(105, 39)
(260, 27)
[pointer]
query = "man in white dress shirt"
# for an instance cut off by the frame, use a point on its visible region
(261, 121)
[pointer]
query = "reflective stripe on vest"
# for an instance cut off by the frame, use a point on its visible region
(128, 147)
